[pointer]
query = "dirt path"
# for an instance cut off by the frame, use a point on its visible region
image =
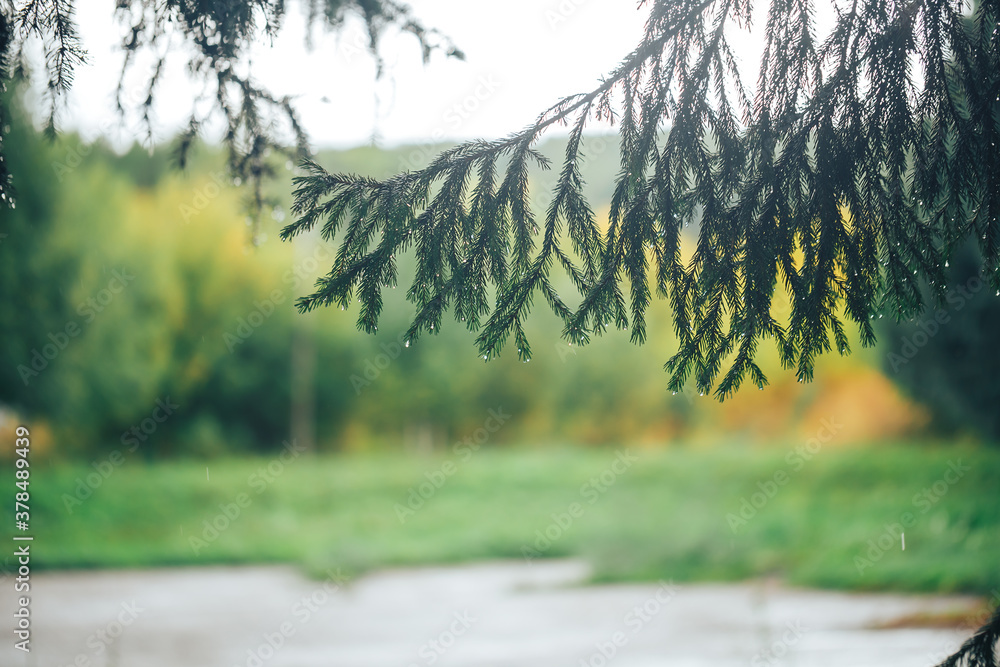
(489, 614)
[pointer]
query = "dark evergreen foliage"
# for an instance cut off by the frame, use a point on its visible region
(6, 39)
(948, 359)
(219, 33)
(981, 649)
(845, 180)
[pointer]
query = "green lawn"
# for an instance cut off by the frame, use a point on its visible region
(665, 515)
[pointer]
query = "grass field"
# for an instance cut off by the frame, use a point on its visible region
(672, 513)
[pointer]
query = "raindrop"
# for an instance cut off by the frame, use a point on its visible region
(946, 264)
(406, 344)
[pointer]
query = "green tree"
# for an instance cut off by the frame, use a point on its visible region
(37, 270)
(947, 358)
(96, 332)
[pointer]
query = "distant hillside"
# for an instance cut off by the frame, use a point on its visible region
(599, 171)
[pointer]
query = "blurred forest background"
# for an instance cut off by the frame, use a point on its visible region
(142, 327)
(207, 320)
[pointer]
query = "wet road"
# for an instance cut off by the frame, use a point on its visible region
(486, 614)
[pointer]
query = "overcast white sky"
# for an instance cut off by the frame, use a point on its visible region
(522, 55)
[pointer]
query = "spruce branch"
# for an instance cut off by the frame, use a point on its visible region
(844, 181)
(980, 650)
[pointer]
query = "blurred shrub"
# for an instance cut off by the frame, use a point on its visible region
(112, 300)
(948, 358)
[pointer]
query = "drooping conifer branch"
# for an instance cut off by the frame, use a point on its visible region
(843, 181)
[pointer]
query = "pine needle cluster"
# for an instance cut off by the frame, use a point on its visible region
(844, 180)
